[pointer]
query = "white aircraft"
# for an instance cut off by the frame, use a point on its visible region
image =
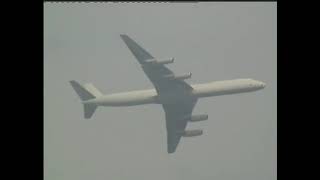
(177, 97)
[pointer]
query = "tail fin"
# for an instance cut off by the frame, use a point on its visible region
(86, 92)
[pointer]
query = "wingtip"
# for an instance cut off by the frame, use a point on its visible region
(72, 82)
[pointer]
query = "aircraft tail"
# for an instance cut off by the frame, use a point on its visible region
(86, 92)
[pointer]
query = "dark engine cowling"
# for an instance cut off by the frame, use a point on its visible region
(179, 77)
(198, 117)
(160, 62)
(192, 133)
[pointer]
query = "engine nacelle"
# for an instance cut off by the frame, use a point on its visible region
(160, 62)
(191, 133)
(180, 77)
(196, 118)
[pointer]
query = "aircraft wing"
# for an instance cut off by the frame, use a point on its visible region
(157, 74)
(176, 123)
(167, 88)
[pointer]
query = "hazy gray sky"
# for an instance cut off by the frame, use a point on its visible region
(214, 41)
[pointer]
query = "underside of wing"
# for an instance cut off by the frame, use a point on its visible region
(163, 79)
(174, 126)
(140, 54)
(176, 122)
(173, 91)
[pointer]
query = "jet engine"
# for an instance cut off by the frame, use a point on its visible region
(196, 118)
(160, 62)
(179, 77)
(191, 133)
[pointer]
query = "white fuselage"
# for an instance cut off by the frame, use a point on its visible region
(150, 96)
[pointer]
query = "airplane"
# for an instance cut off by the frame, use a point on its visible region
(176, 96)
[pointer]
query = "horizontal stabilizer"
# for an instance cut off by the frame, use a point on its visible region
(86, 92)
(89, 109)
(92, 89)
(83, 93)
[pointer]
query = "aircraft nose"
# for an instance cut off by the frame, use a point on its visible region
(259, 84)
(262, 84)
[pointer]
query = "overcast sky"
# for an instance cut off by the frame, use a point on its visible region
(214, 41)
